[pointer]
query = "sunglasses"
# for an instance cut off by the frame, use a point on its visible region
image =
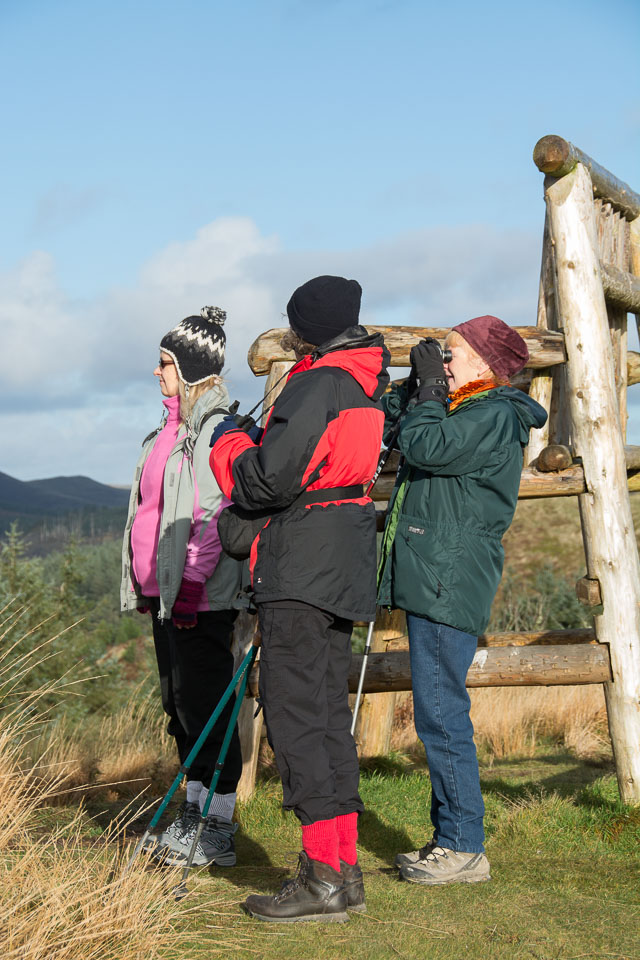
(165, 363)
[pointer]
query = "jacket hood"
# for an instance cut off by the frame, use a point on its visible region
(216, 398)
(362, 354)
(529, 412)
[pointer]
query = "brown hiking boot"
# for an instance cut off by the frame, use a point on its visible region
(317, 892)
(354, 886)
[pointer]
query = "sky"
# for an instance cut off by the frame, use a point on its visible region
(160, 156)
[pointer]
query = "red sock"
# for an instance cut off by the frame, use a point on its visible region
(347, 825)
(320, 842)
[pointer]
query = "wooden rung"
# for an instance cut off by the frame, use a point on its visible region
(534, 484)
(520, 639)
(510, 666)
(546, 347)
(621, 289)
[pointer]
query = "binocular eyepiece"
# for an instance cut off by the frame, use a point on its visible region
(446, 354)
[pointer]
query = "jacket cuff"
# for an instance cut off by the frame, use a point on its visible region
(223, 457)
(433, 392)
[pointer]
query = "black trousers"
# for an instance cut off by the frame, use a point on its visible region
(196, 667)
(304, 669)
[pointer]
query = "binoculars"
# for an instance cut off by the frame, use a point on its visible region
(446, 354)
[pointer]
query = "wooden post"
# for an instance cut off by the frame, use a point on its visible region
(614, 252)
(375, 717)
(545, 382)
(634, 251)
(250, 726)
(608, 532)
(541, 388)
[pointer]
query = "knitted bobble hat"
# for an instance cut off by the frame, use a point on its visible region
(196, 345)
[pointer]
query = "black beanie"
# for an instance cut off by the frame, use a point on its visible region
(322, 308)
(197, 345)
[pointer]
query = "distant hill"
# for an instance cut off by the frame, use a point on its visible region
(57, 495)
(52, 509)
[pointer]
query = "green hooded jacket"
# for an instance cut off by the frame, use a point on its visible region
(454, 498)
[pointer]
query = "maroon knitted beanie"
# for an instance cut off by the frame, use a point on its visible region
(497, 343)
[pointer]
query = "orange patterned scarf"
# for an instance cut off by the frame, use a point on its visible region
(472, 388)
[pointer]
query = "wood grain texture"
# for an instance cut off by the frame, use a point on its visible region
(543, 637)
(558, 157)
(249, 726)
(610, 545)
(375, 716)
(509, 666)
(545, 347)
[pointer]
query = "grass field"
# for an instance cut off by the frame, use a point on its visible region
(564, 852)
(565, 873)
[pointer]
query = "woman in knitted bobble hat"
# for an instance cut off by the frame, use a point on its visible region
(174, 569)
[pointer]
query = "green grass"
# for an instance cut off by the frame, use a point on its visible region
(564, 856)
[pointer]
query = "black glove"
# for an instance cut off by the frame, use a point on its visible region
(227, 424)
(428, 367)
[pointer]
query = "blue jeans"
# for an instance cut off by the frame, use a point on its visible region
(440, 659)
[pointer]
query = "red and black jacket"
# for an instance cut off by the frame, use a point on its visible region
(324, 432)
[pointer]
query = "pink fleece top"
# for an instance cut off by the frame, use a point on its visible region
(145, 531)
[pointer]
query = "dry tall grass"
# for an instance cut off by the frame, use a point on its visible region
(122, 754)
(63, 897)
(509, 721)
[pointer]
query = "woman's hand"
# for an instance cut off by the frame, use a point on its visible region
(185, 609)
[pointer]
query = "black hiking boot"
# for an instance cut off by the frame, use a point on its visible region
(354, 886)
(317, 892)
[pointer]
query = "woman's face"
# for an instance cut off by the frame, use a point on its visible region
(465, 365)
(167, 376)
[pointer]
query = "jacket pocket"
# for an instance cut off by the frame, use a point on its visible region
(425, 567)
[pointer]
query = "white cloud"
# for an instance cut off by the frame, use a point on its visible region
(77, 394)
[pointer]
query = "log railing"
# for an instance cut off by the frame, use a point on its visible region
(534, 483)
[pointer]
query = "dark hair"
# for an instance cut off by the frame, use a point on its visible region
(291, 342)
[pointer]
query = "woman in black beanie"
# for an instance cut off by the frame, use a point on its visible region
(313, 569)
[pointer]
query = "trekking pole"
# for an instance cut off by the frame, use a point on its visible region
(239, 676)
(363, 668)
(181, 890)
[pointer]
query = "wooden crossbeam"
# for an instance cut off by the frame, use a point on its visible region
(534, 483)
(546, 347)
(557, 157)
(510, 666)
(519, 639)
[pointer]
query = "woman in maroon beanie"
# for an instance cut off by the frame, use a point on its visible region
(462, 433)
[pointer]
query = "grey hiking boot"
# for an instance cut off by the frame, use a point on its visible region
(354, 886)
(447, 866)
(415, 855)
(216, 845)
(188, 814)
(317, 892)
